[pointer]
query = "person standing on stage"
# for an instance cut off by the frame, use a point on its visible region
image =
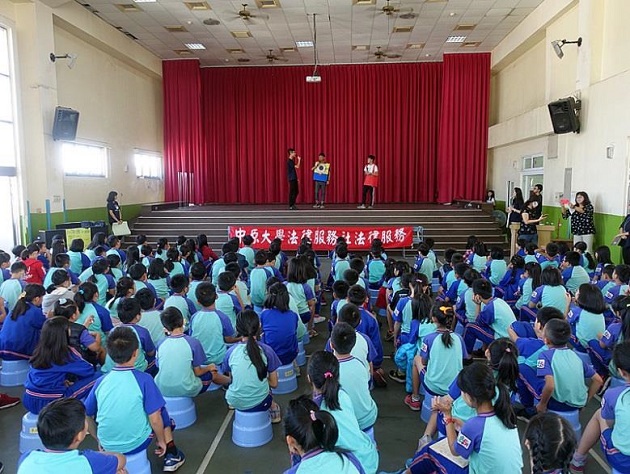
(370, 183)
(321, 177)
(293, 164)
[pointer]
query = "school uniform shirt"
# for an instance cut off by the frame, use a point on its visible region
(586, 326)
(258, 284)
(510, 282)
(249, 255)
(456, 290)
(279, 332)
(143, 361)
(615, 291)
(318, 461)
(116, 274)
(442, 363)
(394, 285)
(210, 327)
(339, 267)
(19, 338)
(104, 283)
(498, 315)
(555, 296)
(489, 445)
(355, 381)
(369, 327)
(10, 291)
(192, 288)
(573, 277)
(218, 266)
(404, 313)
(121, 403)
(566, 366)
(71, 461)
(176, 358)
(228, 304)
(525, 290)
(183, 304)
(604, 286)
(375, 270)
(102, 319)
(616, 407)
(161, 286)
(529, 350)
(449, 278)
(150, 320)
(496, 270)
(425, 266)
(545, 262)
(460, 409)
(351, 438)
(78, 261)
(178, 269)
(141, 285)
(465, 306)
(477, 262)
(363, 350)
(247, 390)
(302, 293)
(530, 259)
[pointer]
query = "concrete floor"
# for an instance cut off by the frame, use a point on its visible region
(209, 448)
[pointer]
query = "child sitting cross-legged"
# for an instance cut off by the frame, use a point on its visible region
(128, 406)
(181, 360)
(62, 427)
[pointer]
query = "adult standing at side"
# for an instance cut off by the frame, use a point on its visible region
(516, 207)
(293, 164)
(370, 183)
(624, 235)
(581, 219)
(536, 195)
(114, 214)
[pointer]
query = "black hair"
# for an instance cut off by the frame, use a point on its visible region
(456, 259)
(146, 250)
(480, 249)
(491, 192)
(180, 240)
(137, 270)
(128, 309)
(121, 344)
(401, 267)
(172, 318)
(206, 294)
(602, 254)
(517, 263)
(460, 269)
(340, 289)
(430, 242)
(608, 270)
(271, 281)
(448, 254)
(444, 315)
(145, 299)
(582, 248)
(59, 277)
(99, 267)
(552, 249)
(198, 271)
(551, 276)
(59, 422)
(530, 248)
(230, 257)
(621, 306)
(477, 380)
(133, 256)
(343, 338)
(112, 240)
(534, 270)
(61, 259)
(351, 276)
(470, 242)
(621, 356)
(226, 281)
(17, 250)
(123, 286)
(179, 283)
(311, 427)
(504, 359)
(585, 199)
(357, 264)
(141, 239)
(234, 268)
(558, 331)
(349, 313)
(357, 295)
(341, 250)
(590, 298)
(573, 258)
(563, 248)
(277, 297)
(100, 251)
(521, 243)
(518, 199)
(86, 293)
(248, 325)
(623, 273)
(31, 291)
(261, 257)
(423, 249)
(421, 300)
(111, 197)
(470, 276)
(248, 240)
(546, 314)
(496, 253)
(552, 442)
(156, 270)
(323, 371)
(98, 239)
(372, 157)
(53, 347)
(65, 308)
(18, 266)
(483, 288)
(173, 254)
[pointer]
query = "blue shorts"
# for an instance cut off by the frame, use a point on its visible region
(262, 406)
(618, 461)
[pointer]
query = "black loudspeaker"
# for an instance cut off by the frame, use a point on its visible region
(564, 116)
(65, 124)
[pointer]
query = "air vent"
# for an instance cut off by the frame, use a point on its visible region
(241, 34)
(415, 45)
(402, 29)
(290, 49)
(268, 3)
(175, 29)
(364, 2)
(361, 47)
(243, 60)
(128, 7)
(183, 52)
(235, 50)
(464, 27)
(471, 44)
(197, 6)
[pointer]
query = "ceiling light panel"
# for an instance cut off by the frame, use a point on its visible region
(195, 46)
(456, 39)
(304, 44)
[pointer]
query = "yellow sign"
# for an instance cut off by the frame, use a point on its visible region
(78, 233)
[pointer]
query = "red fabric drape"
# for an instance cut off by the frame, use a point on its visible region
(182, 132)
(463, 137)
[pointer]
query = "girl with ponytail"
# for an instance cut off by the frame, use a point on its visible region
(323, 373)
(59, 288)
(253, 369)
(502, 357)
(21, 328)
(86, 343)
(103, 281)
(551, 442)
(125, 288)
(601, 349)
(415, 307)
(311, 435)
(97, 316)
(279, 324)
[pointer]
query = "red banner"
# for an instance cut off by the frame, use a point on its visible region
(325, 237)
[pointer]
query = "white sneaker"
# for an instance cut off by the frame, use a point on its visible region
(315, 206)
(321, 206)
(362, 206)
(369, 207)
(319, 319)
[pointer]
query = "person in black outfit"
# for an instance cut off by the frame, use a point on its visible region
(113, 208)
(293, 164)
(624, 233)
(536, 196)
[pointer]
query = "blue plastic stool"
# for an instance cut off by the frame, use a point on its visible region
(287, 380)
(382, 312)
(305, 339)
(370, 433)
(251, 430)
(301, 357)
(213, 386)
(138, 463)
(435, 285)
(373, 295)
(425, 414)
(29, 439)
(182, 410)
(13, 373)
(573, 417)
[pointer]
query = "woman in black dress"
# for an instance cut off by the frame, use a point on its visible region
(113, 208)
(624, 234)
(581, 219)
(516, 207)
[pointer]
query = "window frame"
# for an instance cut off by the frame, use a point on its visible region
(137, 153)
(80, 174)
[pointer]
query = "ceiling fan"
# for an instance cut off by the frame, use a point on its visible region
(389, 10)
(380, 54)
(248, 15)
(271, 58)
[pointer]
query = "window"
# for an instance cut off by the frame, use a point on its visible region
(8, 148)
(148, 164)
(80, 159)
(533, 162)
(533, 172)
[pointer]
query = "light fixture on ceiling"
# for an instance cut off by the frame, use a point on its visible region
(558, 44)
(71, 57)
(194, 46)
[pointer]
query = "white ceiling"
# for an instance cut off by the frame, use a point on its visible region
(341, 25)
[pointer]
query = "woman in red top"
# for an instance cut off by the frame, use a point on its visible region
(35, 272)
(204, 248)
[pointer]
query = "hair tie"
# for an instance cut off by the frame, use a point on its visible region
(22, 295)
(444, 309)
(508, 350)
(62, 300)
(313, 417)
(81, 292)
(328, 375)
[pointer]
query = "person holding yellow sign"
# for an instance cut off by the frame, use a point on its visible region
(321, 177)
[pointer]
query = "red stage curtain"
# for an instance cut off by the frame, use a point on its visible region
(463, 137)
(252, 115)
(182, 131)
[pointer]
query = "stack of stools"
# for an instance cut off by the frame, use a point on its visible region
(287, 380)
(182, 411)
(301, 357)
(251, 429)
(138, 463)
(13, 373)
(29, 438)
(425, 414)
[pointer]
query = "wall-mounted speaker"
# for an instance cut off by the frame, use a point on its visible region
(564, 116)
(65, 124)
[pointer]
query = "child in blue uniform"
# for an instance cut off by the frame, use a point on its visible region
(611, 423)
(323, 373)
(465, 307)
(86, 298)
(181, 360)
(478, 258)
(197, 276)
(57, 370)
(369, 326)
(353, 377)
(212, 328)
(125, 288)
(258, 280)
(586, 259)
(11, 289)
(415, 307)
(279, 324)
(550, 440)
(602, 258)
(20, 331)
(252, 367)
(89, 345)
(150, 319)
(375, 270)
(621, 278)
(496, 268)
(530, 280)
(158, 277)
(342, 262)
(103, 280)
(586, 316)
(311, 436)
(363, 349)
(424, 264)
(508, 286)
(340, 293)
(78, 260)
(550, 293)
(179, 297)
(301, 291)
(227, 301)
(128, 407)
(600, 350)
(573, 274)
(62, 427)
